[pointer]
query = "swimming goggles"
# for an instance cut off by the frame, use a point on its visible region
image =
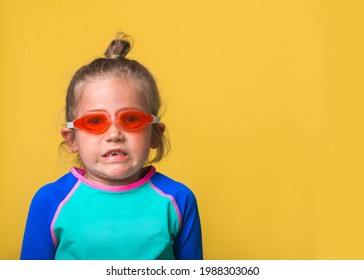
(99, 122)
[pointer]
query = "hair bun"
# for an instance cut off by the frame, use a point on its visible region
(119, 47)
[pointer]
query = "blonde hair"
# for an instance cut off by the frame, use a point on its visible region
(115, 64)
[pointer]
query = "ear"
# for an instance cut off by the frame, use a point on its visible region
(69, 138)
(157, 135)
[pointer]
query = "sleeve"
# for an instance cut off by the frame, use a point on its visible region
(37, 241)
(188, 242)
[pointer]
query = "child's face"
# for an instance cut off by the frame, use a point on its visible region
(114, 157)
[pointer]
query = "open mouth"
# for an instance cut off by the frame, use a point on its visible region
(115, 153)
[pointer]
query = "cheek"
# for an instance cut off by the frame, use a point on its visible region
(142, 141)
(84, 143)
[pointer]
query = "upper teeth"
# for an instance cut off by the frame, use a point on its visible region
(117, 153)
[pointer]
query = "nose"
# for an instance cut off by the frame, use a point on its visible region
(114, 133)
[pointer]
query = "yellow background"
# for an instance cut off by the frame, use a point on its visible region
(263, 104)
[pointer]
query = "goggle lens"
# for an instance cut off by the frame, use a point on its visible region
(132, 121)
(98, 123)
(94, 123)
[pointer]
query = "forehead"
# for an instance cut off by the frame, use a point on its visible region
(111, 95)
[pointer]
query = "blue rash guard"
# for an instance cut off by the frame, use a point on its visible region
(74, 218)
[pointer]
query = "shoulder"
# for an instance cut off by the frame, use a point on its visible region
(56, 191)
(183, 195)
(170, 186)
(45, 204)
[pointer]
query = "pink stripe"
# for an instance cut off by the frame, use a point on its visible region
(173, 202)
(64, 201)
(113, 188)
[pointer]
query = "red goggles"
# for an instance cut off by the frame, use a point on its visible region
(99, 122)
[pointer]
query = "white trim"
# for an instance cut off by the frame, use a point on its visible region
(156, 119)
(70, 125)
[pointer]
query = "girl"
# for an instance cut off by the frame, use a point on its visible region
(117, 206)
